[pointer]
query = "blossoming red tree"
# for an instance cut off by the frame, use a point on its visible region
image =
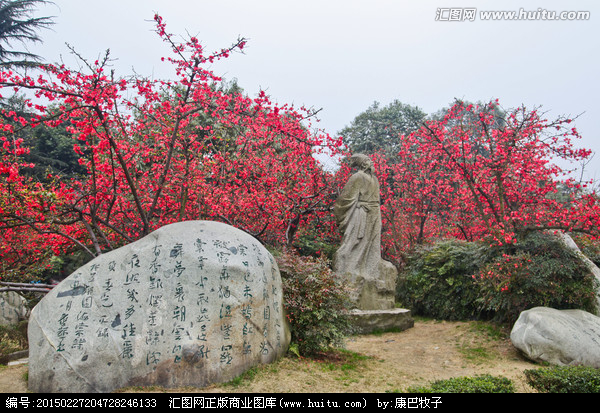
(160, 151)
(156, 152)
(478, 174)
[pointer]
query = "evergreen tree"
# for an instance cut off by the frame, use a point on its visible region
(378, 128)
(18, 25)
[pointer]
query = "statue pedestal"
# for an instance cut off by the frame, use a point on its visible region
(369, 321)
(373, 297)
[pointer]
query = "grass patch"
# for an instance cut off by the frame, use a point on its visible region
(248, 375)
(341, 360)
(478, 344)
(476, 354)
(479, 384)
(489, 330)
(344, 364)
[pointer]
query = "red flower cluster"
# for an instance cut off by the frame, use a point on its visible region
(480, 173)
(157, 152)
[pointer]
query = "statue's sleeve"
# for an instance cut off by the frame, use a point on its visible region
(346, 202)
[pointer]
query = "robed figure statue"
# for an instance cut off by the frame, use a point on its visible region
(370, 279)
(358, 215)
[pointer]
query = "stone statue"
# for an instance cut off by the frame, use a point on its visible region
(358, 215)
(358, 260)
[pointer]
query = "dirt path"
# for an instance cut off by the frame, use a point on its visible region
(395, 361)
(440, 350)
(429, 351)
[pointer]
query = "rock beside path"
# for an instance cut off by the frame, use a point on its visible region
(559, 337)
(191, 304)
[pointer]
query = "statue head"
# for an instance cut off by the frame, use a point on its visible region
(362, 162)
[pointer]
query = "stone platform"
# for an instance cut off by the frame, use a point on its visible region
(368, 321)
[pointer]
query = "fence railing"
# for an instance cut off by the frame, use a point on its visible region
(25, 287)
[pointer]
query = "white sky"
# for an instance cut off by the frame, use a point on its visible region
(342, 55)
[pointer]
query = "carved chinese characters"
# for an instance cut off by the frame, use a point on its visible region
(191, 304)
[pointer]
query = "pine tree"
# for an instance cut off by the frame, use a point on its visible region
(18, 25)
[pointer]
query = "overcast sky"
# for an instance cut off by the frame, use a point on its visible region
(342, 55)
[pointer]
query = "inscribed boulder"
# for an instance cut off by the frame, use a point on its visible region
(191, 304)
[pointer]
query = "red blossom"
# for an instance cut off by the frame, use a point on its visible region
(158, 152)
(476, 174)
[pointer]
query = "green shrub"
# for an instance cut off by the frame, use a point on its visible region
(538, 271)
(438, 280)
(470, 280)
(478, 384)
(315, 301)
(564, 379)
(315, 242)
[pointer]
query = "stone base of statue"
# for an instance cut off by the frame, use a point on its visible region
(373, 298)
(374, 288)
(369, 321)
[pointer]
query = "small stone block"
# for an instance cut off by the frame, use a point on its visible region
(368, 321)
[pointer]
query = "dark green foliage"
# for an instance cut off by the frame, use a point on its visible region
(377, 128)
(64, 265)
(51, 151)
(315, 302)
(17, 25)
(538, 271)
(478, 384)
(314, 242)
(589, 247)
(50, 148)
(567, 379)
(469, 280)
(438, 280)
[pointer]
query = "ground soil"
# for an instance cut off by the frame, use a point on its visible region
(392, 362)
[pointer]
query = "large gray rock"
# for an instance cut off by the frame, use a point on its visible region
(13, 308)
(559, 337)
(191, 304)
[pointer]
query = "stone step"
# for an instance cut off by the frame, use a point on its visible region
(368, 321)
(18, 361)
